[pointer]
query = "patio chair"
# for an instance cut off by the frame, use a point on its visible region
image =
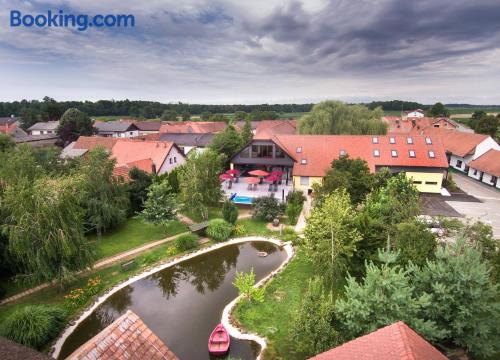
(230, 185)
(249, 187)
(255, 187)
(270, 187)
(275, 187)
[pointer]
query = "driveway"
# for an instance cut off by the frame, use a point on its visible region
(488, 210)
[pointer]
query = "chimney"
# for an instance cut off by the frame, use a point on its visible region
(153, 168)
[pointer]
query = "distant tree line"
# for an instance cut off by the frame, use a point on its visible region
(396, 105)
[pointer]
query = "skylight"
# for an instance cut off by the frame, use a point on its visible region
(428, 141)
(394, 153)
(343, 153)
(375, 140)
(431, 154)
(303, 161)
(299, 150)
(376, 153)
(392, 140)
(409, 140)
(412, 153)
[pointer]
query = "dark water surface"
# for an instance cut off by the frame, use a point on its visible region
(183, 303)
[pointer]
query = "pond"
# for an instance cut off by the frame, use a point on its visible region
(183, 303)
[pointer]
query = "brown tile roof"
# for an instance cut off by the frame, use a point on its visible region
(148, 125)
(456, 142)
(126, 338)
(192, 126)
(90, 142)
(489, 163)
(320, 150)
(393, 342)
(266, 129)
(10, 350)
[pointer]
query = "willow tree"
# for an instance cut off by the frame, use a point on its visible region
(199, 181)
(45, 229)
(330, 234)
(336, 118)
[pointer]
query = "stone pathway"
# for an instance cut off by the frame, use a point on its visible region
(306, 209)
(98, 265)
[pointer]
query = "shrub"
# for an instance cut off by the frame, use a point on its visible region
(293, 212)
(78, 297)
(266, 208)
(290, 235)
(239, 230)
(295, 197)
(186, 242)
(219, 230)
(245, 282)
(34, 325)
(229, 212)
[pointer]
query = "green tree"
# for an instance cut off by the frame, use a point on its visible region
(245, 282)
(104, 198)
(229, 211)
(240, 115)
(169, 115)
(218, 117)
(312, 328)
(464, 303)
(29, 117)
(246, 133)
(6, 143)
(137, 188)
(51, 110)
(186, 116)
(438, 109)
(478, 114)
(205, 116)
(266, 208)
(219, 229)
(199, 181)
(330, 235)
(414, 242)
(227, 142)
(487, 125)
(350, 174)
(45, 229)
(161, 204)
(73, 124)
(384, 296)
(335, 117)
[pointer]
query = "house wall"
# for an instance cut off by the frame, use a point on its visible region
(485, 146)
(312, 180)
(126, 134)
(487, 179)
(428, 182)
(465, 161)
(477, 176)
(444, 124)
(42, 132)
(415, 114)
(173, 159)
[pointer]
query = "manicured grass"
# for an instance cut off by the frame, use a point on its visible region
(272, 317)
(213, 212)
(256, 227)
(135, 232)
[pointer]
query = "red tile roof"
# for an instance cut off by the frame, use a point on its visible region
(266, 129)
(192, 126)
(127, 151)
(320, 150)
(399, 125)
(90, 142)
(489, 163)
(456, 142)
(126, 338)
(394, 342)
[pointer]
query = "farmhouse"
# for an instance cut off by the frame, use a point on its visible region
(417, 113)
(148, 127)
(118, 129)
(305, 159)
(186, 141)
(43, 128)
(486, 168)
(197, 127)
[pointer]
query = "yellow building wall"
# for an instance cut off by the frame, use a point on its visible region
(424, 181)
(312, 180)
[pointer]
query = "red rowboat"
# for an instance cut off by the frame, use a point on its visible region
(218, 343)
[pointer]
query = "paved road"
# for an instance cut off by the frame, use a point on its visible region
(488, 210)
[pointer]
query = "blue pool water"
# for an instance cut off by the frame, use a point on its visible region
(242, 200)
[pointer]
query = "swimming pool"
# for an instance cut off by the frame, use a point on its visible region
(242, 200)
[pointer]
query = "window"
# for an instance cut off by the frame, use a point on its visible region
(304, 180)
(409, 140)
(394, 153)
(299, 150)
(279, 153)
(417, 182)
(431, 154)
(175, 159)
(342, 152)
(245, 153)
(375, 140)
(459, 163)
(428, 141)
(131, 133)
(303, 161)
(493, 180)
(170, 160)
(262, 151)
(411, 153)
(376, 153)
(392, 140)
(475, 172)
(431, 183)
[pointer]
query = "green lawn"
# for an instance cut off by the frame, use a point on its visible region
(213, 212)
(135, 232)
(272, 317)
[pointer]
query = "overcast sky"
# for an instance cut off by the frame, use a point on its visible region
(259, 51)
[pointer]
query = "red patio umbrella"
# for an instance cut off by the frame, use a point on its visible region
(233, 172)
(271, 179)
(225, 177)
(258, 173)
(277, 173)
(252, 180)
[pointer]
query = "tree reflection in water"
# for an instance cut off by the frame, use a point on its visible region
(264, 246)
(115, 306)
(168, 280)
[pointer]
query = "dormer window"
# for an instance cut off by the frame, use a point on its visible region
(376, 153)
(412, 154)
(342, 153)
(394, 153)
(299, 150)
(375, 140)
(428, 141)
(409, 140)
(392, 140)
(431, 154)
(303, 161)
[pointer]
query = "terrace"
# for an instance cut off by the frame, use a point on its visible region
(244, 194)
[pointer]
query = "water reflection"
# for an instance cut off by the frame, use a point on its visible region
(182, 304)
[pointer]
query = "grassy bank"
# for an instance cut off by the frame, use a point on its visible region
(272, 317)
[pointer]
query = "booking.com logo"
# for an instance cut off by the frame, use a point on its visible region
(59, 19)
